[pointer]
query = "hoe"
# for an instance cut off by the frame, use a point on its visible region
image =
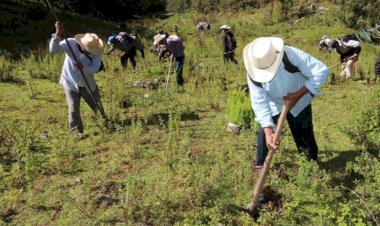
(252, 208)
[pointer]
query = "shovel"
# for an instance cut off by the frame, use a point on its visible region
(252, 207)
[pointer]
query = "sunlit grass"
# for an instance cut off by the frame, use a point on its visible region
(169, 160)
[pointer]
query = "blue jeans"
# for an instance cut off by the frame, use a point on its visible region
(302, 132)
(179, 69)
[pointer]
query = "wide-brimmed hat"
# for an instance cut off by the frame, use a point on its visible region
(90, 42)
(225, 27)
(158, 38)
(263, 57)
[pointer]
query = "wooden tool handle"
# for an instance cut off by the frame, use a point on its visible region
(252, 206)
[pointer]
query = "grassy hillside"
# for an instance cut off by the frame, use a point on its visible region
(170, 160)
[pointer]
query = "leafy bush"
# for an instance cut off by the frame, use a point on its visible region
(6, 68)
(366, 130)
(353, 11)
(43, 65)
(177, 6)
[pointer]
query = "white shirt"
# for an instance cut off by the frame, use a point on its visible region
(71, 77)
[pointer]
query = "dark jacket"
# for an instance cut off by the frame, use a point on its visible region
(346, 52)
(227, 37)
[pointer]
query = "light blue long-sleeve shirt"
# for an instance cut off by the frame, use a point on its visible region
(267, 100)
(71, 77)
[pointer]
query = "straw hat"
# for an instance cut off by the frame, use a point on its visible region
(90, 42)
(158, 38)
(263, 57)
(226, 27)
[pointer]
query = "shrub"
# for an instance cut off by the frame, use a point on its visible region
(352, 11)
(239, 108)
(366, 130)
(6, 70)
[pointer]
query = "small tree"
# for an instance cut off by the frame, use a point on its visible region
(285, 6)
(354, 10)
(177, 6)
(205, 6)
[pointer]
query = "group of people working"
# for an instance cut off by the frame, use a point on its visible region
(275, 73)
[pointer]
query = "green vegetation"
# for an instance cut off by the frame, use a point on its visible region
(239, 108)
(169, 160)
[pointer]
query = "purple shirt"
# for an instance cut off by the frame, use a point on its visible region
(174, 45)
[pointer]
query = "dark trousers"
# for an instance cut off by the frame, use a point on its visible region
(73, 102)
(179, 69)
(230, 57)
(128, 55)
(302, 132)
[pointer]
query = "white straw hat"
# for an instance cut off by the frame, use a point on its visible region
(158, 38)
(224, 26)
(262, 58)
(90, 42)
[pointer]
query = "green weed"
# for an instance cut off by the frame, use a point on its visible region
(167, 159)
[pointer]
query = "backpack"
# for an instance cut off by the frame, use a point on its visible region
(231, 41)
(349, 37)
(346, 47)
(289, 67)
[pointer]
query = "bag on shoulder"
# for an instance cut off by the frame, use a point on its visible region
(350, 41)
(349, 37)
(101, 68)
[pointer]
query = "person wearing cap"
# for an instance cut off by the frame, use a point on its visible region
(324, 43)
(228, 43)
(126, 45)
(88, 49)
(174, 45)
(349, 50)
(271, 82)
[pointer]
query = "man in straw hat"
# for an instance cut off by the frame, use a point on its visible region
(160, 50)
(276, 73)
(174, 45)
(228, 43)
(88, 49)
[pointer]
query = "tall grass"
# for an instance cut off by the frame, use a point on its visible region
(169, 160)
